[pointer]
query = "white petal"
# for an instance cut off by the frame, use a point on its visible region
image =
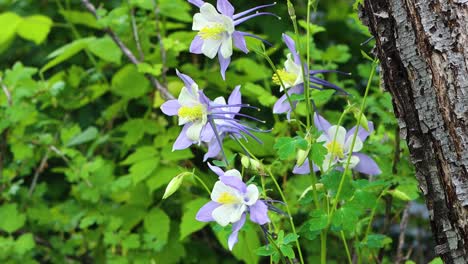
(183, 120)
(187, 98)
(226, 47)
(228, 213)
(340, 134)
(208, 11)
(193, 132)
(220, 100)
(327, 163)
(291, 66)
(210, 47)
(220, 189)
(357, 144)
(234, 173)
(323, 138)
(353, 161)
(199, 22)
(251, 194)
(228, 24)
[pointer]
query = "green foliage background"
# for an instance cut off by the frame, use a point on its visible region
(85, 152)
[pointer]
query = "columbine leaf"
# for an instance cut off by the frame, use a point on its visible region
(286, 147)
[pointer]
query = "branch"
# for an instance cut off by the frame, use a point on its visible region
(7, 92)
(401, 239)
(128, 53)
(39, 169)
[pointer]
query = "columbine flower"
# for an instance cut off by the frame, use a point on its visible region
(292, 77)
(232, 199)
(338, 143)
(216, 30)
(205, 120)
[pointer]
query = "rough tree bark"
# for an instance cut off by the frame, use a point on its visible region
(423, 49)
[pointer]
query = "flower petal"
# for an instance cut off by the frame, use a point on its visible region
(193, 132)
(337, 133)
(235, 98)
(233, 182)
(228, 213)
(205, 213)
(226, 47)
(182, 141)
(224, 64)
(366, 165)
(220, 189)
(209, 12)
(353, 161)
(225, 8)
(321, 123)
(239, 41)
(236, 227)
(216, 170)
(259, 213)
(210, 47)
(196, 45)
(197, 3)
(199, 22)
(213, 150)
(251, 195)
(170, 107)
(292, 48)
(362, 133)
(357, 145)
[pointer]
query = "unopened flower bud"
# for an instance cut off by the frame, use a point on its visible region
(255, 165)
(174, 184)
(301, 156)
(245, 161)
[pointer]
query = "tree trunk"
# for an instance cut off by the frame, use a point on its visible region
(423, 50)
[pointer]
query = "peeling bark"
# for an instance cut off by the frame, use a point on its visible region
(423, 50)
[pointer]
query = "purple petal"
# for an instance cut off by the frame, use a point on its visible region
(236, 227)
(225, 8)
(303, 169)
(170, 107)
(321, 123)
(234, 182)
(186, 79)
(292, 48)
(205, 213)
(362, 133)
(366, 165)
(243, 19)
(213, 150)
(197, 3)
(259, 213)
(235, 98)
(239, 41)
(196, 45)
(223, 63)
(207, 134)
(283, 105)
(216, 170)
(182, 142)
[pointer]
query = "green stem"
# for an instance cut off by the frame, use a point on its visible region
(291, 221)
(348, 255)
(202, 183)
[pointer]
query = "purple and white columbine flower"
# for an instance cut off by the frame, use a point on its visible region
(338, 143)
(216, 30)
(205, 120)
(293, 79)
(232, 199)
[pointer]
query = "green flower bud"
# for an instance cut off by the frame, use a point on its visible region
(174, 184)
(245, 161)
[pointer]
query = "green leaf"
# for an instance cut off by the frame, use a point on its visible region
(318, 220)
(322, 97)
(337, 53)
(9, 22)
(129, 83)
(24, 243)
(157, 223)
(189, 224)
(154, 69)
(12, 220)
(287, 251)
(139, 171)
(286, 146)
(376, 241)
(405, 192)
(290, 238)
(89, 134)
(436, 261)
(332, 179)
(317, 153)
(35, 28)
(80, 18)
(65, 52)
(106, 49)
(266, 250)
(141, 153)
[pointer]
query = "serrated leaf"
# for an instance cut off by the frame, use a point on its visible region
(12, 220)
(376, 241)
(65, 52)
(157, 223)
(80, 18)
(189, 224)
(129, 83)
(266, 250)
(24, 243)
(9, 22)
(286, 146)
(317, 153)
(139, 171)
(287, 251)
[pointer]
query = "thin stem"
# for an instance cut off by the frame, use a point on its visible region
(323, 247)
(348, 255)
(202, 183)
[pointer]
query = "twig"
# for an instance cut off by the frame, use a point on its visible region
(128, 53)
(136, 37)
(7, 92)
(401, 239)
(39, 169)
(162, 50)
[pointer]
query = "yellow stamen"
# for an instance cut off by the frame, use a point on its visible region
(335, 149)
(213, 32)
(191, 113)
(227, 198)
(288, 78)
